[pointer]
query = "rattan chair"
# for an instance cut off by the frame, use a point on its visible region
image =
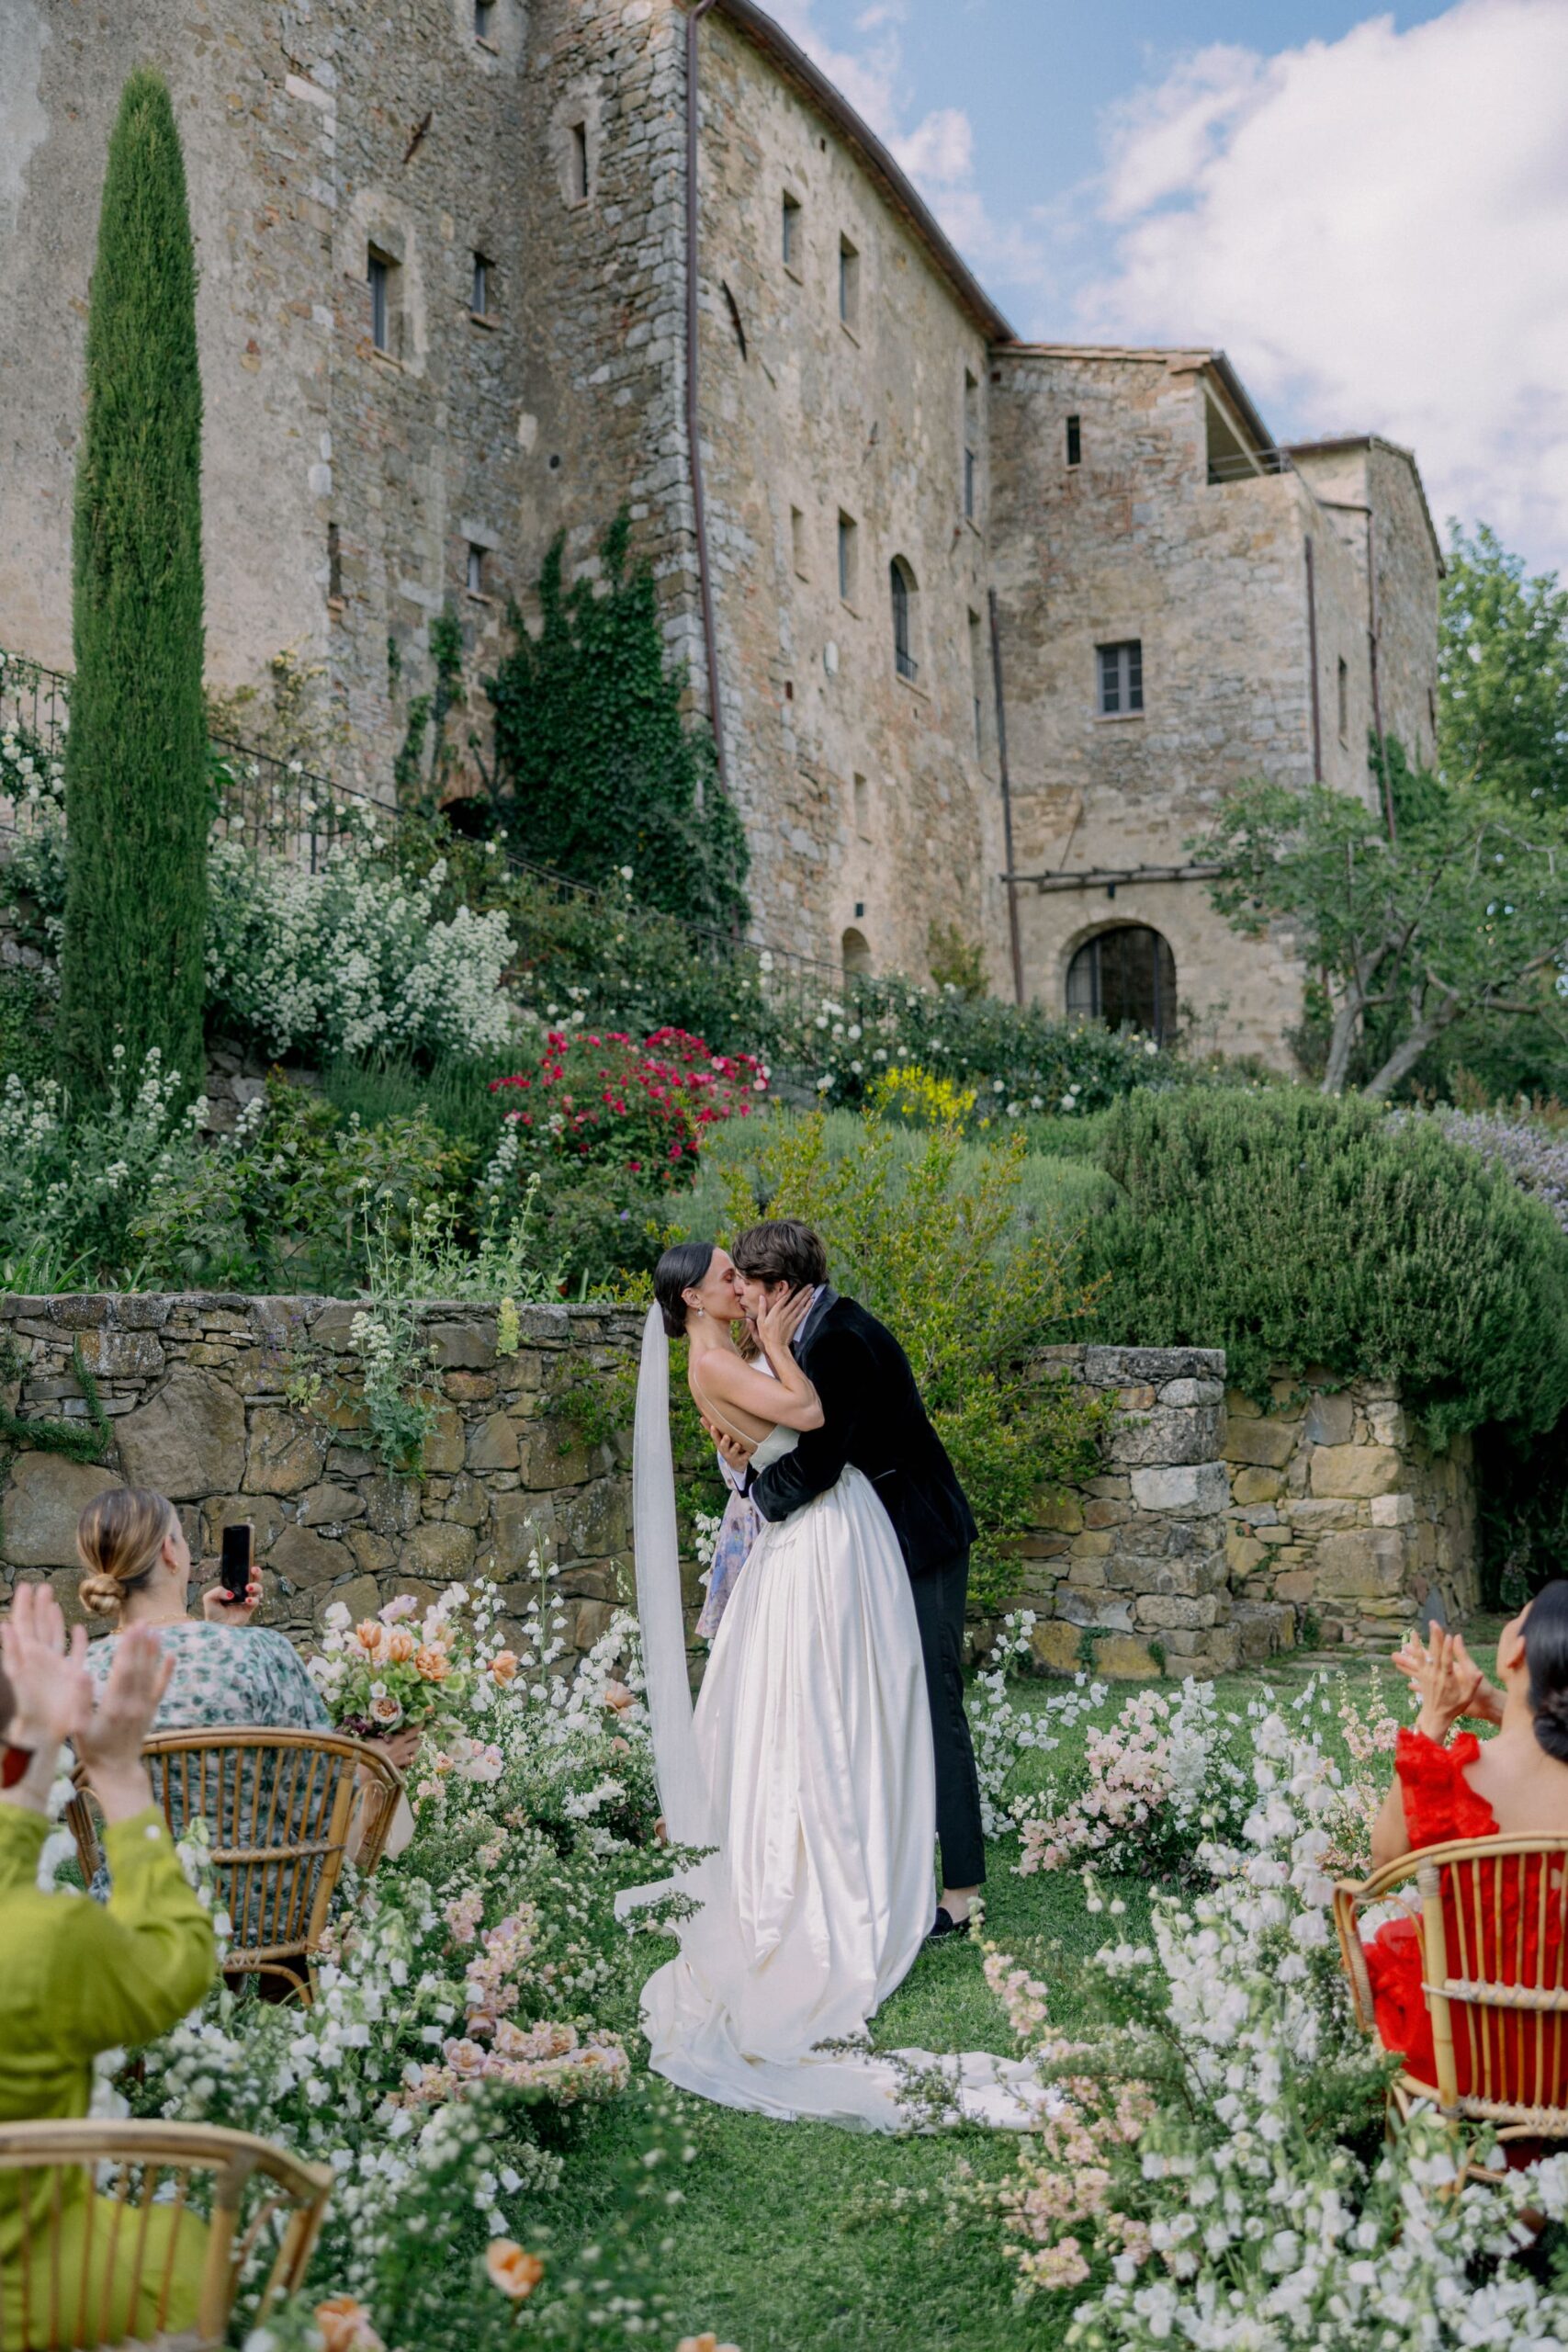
(279, 1807)
(1499, 2026)
(87, 2268)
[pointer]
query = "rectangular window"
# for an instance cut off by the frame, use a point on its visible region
(863, 808)
(847, 559)
(1075, 442)
(334, 565)
(484, 19)
(797, 546)
(378, 272)
(476, 574)
(971, 446)
(977, 678)
(1344, 700)
(849, 284)
(969, 484)
(789, 233)
(1121, 678)
(479, 300)
(577, 162)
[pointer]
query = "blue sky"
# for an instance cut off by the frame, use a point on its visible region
(1367, 208)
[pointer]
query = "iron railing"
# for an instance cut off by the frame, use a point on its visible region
(282, 808)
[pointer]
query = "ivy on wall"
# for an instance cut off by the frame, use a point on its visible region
(596, 766)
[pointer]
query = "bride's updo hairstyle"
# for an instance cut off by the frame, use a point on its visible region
(118, 1539)
(681, 1269)
(1546, 1659)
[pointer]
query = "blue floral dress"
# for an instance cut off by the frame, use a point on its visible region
(227, 1674)
(737, 1531)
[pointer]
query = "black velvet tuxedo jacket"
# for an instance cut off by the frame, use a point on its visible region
(874, 1418)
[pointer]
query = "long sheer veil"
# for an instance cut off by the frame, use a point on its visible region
(683, 1789)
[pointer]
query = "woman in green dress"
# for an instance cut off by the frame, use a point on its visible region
(80, 1977)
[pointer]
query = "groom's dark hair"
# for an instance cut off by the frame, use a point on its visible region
(782, 1250)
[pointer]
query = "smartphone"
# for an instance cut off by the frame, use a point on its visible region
(238, 1556)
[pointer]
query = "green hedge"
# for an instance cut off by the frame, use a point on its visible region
(1293, 1231)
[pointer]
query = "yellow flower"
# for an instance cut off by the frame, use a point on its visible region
(514, 2272)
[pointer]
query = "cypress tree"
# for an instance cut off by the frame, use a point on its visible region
(137, 794)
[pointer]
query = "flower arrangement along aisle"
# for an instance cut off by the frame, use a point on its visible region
(473, 1995)
(1214, 2173)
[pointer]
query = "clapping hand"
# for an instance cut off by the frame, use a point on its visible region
(48, 1679)
(1450, 1682)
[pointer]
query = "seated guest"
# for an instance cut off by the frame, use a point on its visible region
(224, 1669)
(1514, 1785)
(81, 1977)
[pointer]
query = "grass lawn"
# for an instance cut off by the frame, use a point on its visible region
(794, 2236)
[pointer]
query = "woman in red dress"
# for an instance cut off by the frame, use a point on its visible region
(1513, 1785)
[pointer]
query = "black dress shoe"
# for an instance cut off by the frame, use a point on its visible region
(946, 1925)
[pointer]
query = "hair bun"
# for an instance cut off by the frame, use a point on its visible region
(99, 1596)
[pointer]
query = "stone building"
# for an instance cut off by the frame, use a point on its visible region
(454, 299)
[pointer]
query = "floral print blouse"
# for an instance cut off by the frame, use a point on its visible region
(227, 1674)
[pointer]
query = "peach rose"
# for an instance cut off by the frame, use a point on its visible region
(709, 2343)
(617, 1698)
(370, 1636)
(386, 1711)
(345, 2326)
(432, 1663)
(504, 1666)
(400, 1646)
(514, 2272)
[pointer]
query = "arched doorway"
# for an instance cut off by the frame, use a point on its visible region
(1126, 977)
(856, 949)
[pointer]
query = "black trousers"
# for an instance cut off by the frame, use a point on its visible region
(939, 1598)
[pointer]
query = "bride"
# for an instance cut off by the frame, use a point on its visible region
(807, 1764)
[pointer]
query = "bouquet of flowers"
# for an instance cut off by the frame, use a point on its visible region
(389, 1673)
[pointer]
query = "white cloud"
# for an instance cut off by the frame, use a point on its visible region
(1376, 228)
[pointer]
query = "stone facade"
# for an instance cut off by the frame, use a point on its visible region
(1340, 1510)
(1129, 1577)
(351, 494)
(1137, 498)
(196, 1391)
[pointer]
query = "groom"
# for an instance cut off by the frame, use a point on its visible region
(873, 1417)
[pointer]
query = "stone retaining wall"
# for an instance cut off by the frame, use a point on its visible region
(1338, 1509)
(196, 1390)
(1130, 1577)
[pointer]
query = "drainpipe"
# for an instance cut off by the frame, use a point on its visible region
(1007, 795)
(694, 16)
(1311, 657)
(1353, 506)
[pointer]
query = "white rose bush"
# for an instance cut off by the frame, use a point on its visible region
(1214, 2173)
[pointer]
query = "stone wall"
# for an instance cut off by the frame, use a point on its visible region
(1135, 540)
(1338, 1509)
(1130, 1577)
(196, 1390)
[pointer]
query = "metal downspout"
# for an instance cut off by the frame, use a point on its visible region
(1007, 795)
(694, 16)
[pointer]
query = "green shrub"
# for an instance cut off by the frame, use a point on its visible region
(974, 1292)
(136, 760)
(1290, 1230)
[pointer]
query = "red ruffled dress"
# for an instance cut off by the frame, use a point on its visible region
(1441, 1807)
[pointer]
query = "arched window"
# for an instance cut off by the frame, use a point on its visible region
(1126, 977)
(901, 581)
(856, 949)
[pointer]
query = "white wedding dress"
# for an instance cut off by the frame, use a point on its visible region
(807, 1768)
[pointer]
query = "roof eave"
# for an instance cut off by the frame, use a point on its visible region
(896, 189)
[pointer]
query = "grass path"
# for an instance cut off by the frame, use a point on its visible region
(803, 2238)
